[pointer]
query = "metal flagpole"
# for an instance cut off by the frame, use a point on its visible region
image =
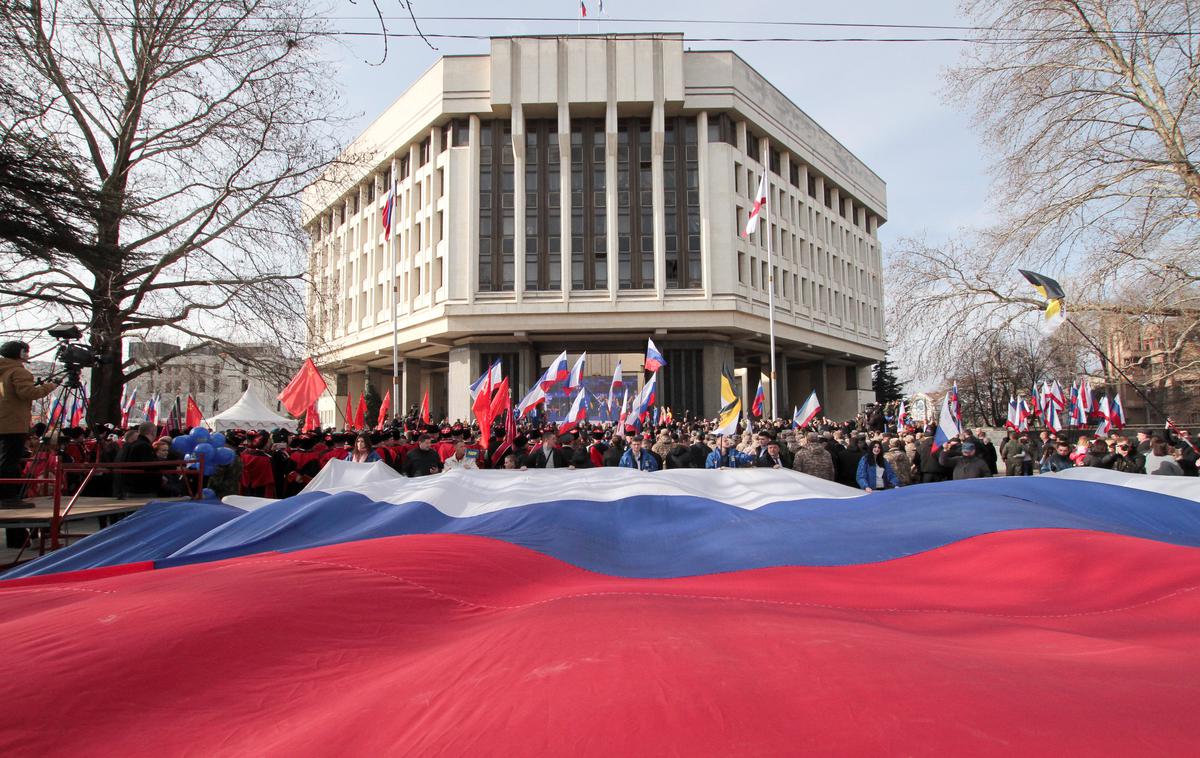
(396, 400)
(770, 281)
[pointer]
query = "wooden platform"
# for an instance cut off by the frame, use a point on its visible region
(84, 508)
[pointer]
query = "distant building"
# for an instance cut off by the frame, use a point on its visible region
(214, 378)
(585, 194)
(1165, 368)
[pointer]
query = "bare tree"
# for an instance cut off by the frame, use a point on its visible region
(1091, 109)
(997, 367)
(194, 125)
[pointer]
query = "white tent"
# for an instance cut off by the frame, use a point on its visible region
(248, 413)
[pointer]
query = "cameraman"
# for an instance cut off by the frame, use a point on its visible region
(17, 393)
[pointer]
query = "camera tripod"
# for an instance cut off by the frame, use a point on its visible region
(71, 391)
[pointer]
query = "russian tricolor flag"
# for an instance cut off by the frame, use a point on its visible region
(555, 373)
(577, 413)
(947, 425)
(756, 407)
(654, 359)
(617, 381)
(388, 211)
(575, 379)
(610, 612)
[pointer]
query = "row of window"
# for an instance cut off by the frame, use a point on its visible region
(589, 212)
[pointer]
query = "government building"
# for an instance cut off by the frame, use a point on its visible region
(587, 193)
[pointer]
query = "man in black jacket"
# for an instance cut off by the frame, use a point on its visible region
(700, 451)
(138, 450)
(549, 454)
(422, 460)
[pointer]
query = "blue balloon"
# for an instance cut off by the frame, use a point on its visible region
(208, 493)
(206, 450)
(200, 434)
(224, 456)
(183, 444)
(210, 469)
(217, 439)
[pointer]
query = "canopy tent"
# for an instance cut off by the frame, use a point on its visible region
(248, 413)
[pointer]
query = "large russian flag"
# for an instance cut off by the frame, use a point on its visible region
(614, 612)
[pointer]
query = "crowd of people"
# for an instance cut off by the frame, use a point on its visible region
(280, 463)
(868, 452)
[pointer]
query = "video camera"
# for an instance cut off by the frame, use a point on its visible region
(72, 354)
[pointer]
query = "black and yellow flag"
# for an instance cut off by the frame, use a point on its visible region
(731, 404)
(1052, 291)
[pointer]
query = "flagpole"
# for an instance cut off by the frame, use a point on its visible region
(770, 282)
(392, 280)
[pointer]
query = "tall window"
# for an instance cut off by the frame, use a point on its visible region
(635, 205)
(681, 201)
(543, 207)
(496, 221)
(589, 243)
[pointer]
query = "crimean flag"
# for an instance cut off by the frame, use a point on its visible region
(1054, 295)
(425, 408)
(360, 413)
(731, 404)
(654, 359)
(756, 407)
(808, 411)
(756, 210)
(1048, 615)
(194, 417)
(304, 389)
(383, 410)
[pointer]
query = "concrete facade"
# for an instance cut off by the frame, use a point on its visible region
(588, 193)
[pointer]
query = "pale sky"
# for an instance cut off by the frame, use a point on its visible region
(882, 100)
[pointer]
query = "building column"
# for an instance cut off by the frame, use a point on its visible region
(782, 387)
(410, 383)
(462, 372)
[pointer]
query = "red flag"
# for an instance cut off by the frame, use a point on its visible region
(193, 417)
(349, 419)
(502, 403)
(304, 389)
(483, 411)
(360, 413)
(383, 409)
(425, 408)
(312, 420)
